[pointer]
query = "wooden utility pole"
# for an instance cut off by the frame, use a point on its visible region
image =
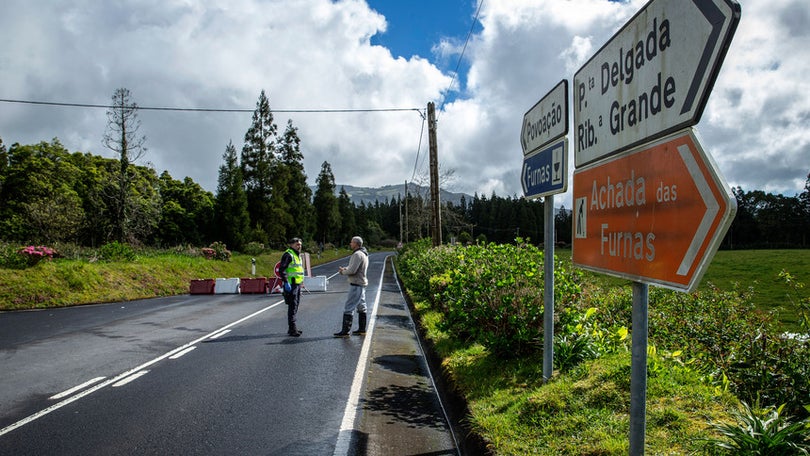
(435, 204)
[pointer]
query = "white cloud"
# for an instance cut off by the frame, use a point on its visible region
(316, 54)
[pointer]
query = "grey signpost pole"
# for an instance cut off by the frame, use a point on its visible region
(548, 295)
(544, 173)
(638, 369)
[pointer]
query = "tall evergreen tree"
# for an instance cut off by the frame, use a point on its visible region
(258, 160)
(292, 198)
(346, 209)
(300, 194)
(326, 208)
(3, 164)
(231, 208)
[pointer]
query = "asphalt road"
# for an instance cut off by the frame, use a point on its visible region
(217, 374)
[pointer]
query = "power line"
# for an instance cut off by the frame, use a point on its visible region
(461, 56)
(418, 148)
(155, 108)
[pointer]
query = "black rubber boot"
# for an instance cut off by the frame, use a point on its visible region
(347, 326)
(294, 331)
(361, 324)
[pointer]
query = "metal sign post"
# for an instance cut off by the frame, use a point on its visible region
(638, 369)
(548, 292)
(545, 173)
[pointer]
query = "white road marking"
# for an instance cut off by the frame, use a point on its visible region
(76, 388)
(119, 377)
(132, 377)
(342, 446)
(220, 334)
(181, 353)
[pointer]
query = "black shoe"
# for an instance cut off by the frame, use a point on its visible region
(295, 333)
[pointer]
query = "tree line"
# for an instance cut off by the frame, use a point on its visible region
(50, 195)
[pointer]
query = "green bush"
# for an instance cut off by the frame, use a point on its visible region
(733, 344)
(491, 294)
(10, 258)
(254, 248)
(116, 251)
(220, 251)
(763, 432)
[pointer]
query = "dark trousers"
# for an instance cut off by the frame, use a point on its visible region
(292, 299)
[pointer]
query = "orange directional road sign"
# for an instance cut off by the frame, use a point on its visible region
(655, 214)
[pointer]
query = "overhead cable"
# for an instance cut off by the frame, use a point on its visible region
(154, 108)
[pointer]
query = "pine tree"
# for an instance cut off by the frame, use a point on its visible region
(326, 209)
(231, 208)
(291, 197)
(346, 209)
(258, 160)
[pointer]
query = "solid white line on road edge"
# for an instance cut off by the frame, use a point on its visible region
(343, 446)
(87, 392)
(220, 334)
(76, 388)
(132, 377)
(181, 353)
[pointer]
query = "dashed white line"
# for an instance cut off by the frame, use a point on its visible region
(220, 334)
(132, 377)
(84, 385)
(126, 374)
(181, 353)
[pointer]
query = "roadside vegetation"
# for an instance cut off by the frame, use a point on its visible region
(117, 272)
(723, 379)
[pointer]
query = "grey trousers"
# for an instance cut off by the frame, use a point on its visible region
(356, 299)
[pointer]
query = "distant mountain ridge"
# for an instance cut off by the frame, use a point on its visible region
(385, 193)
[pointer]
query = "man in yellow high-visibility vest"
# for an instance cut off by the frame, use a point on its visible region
(291, 273)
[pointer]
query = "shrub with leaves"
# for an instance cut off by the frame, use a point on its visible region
(582, 336)
(491, 294)
(32, 255)
(116, 251)
(254, 248)
(763, 432)
(221, 252)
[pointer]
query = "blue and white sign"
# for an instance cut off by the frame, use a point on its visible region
(546, 172)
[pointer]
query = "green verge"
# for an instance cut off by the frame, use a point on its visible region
(68, 282)
(581, 412)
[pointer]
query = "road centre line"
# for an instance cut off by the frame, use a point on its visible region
(76, 388)
(342, 446)
(181, 353)
(120, 377)
(220, 334)
(130, 378)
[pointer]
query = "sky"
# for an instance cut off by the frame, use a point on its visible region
(389, 56)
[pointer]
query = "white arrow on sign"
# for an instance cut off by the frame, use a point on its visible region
(653, 77)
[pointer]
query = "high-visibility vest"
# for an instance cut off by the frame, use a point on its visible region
(295, 270)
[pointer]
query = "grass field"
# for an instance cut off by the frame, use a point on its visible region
(760, 270)
(757, 269)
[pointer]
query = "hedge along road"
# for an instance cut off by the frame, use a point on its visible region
(205, 374)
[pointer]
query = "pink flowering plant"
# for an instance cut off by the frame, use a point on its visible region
(33, 254)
